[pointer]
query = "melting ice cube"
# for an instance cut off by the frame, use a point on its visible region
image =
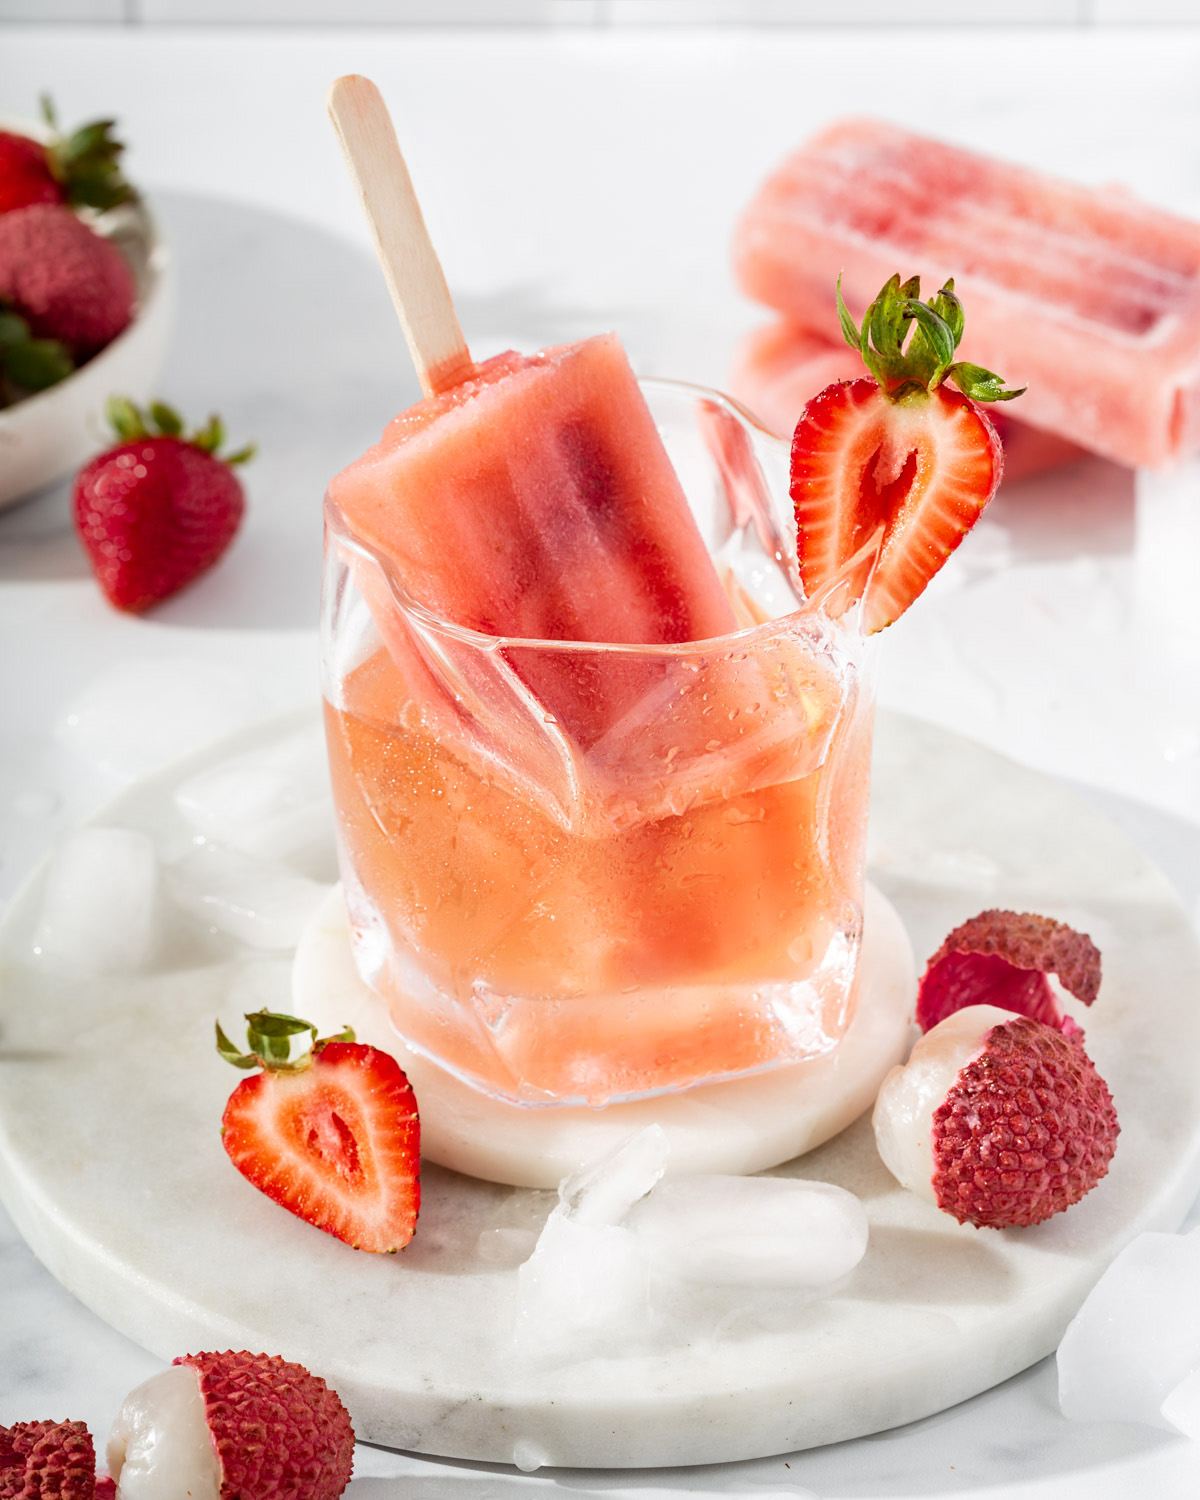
(272, 802)
(604, 1190)
(1132, 1351)
(751, 1231)
(584, 1290)
(263, 905)
(138, 715)
(582, 1293)
(99, 908)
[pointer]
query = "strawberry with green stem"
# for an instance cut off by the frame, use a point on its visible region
(81, 169)
(332, 1135)
(160, 508)
(899, 455)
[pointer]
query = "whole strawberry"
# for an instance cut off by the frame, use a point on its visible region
(332, 1136)
(158, 510)
(890, 472)
(80, 169)
(68, 282)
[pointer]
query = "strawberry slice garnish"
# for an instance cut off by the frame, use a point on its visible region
(331, 1136)
(897, 457)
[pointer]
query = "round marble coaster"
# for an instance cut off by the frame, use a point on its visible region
(745, 1125)
(111, 1164)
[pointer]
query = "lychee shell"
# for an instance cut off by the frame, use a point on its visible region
(1028, 1128)
(47, 1459)
(279, 1432)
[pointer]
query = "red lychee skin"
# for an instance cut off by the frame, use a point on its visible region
(25, 175)
(279, 1432)
(68, 282)
(40, 1460)
(1027, 1129)
(153, 515)
(1002, 958)
(106, 1488)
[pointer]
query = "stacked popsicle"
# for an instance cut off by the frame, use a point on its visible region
(1111, 286)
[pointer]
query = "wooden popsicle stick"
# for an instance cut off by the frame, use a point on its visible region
(410, 265)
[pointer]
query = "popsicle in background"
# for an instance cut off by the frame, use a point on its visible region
(1085, 295)
(779, 367)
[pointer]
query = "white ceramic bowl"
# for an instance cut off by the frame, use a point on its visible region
(50, 434)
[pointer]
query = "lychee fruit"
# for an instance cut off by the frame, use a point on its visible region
(47, 1459)
(996, 1118)
(1003, 958)
(65, 280)
(232, 1426)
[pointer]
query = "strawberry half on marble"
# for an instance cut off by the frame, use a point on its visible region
(332, 1135)
(897, 462)
(160, 508)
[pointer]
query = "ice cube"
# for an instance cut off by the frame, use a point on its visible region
(603, 1191)
(138, 715)
(272, 802)
(1132, 1351)
(99, 908)
(260, 904)
(582, 1293)
(1182, 1406)
(751, 1231)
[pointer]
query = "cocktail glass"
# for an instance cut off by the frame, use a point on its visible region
(586, 872)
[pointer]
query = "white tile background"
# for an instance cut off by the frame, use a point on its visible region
(602, 13)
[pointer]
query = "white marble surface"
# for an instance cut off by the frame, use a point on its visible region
(1026, 642)
(110, 1163)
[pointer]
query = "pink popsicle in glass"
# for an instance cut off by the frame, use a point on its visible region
(1086, 295)
(779, 368)
(535, 500)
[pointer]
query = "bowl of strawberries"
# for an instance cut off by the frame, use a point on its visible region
(85, 297)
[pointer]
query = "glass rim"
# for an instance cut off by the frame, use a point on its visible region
(808, 612)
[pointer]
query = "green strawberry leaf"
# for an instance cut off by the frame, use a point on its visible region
(37, 364)
(13, 329)
(979, 384)
(231, 1054)
(125, 419)
(849, 328)
(909, 345)
(166, 419)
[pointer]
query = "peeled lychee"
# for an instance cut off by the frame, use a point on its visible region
(231, 1427)
(47, 1459)
(66, 281)
(998, 1119)
(1003, 958)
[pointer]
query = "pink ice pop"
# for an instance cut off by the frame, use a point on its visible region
(1086, 295)
(779, 368)
(535, 500)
